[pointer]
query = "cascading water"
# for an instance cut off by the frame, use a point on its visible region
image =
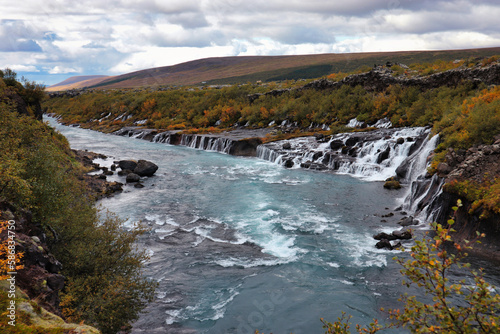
(207, 143)
(373, 156)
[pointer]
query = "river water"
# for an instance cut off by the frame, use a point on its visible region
(239, 244)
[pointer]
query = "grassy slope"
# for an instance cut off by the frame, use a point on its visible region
(77, 82)
(269, 68)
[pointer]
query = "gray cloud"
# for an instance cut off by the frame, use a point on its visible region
(92, 35)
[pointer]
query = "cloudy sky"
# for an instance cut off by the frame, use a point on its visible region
(49, 41)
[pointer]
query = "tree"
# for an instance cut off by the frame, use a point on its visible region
(456, 307)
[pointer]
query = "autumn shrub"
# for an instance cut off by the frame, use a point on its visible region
(8, 262)
(485, 197)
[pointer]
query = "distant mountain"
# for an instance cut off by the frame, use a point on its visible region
(77, 82)
(232, 70)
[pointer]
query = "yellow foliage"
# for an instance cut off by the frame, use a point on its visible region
(6, 264)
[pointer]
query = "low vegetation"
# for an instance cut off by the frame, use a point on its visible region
(105, 287)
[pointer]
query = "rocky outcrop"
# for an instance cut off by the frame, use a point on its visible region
(40, 278)
(97, 185)
(380, 78)
(432, 198)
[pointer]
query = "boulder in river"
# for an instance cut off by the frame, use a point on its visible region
(289, 163)
(132, 177)
(145, 168)
(127, 164)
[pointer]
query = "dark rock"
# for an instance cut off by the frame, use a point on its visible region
(145, 168)
(336, 144)
(384, 244)
(113, 167)
(132, 177)
(288, 163)
(138, 185)
(353, 140)
(124, 172)
(402, 235)
(55, 282)
(244, 147)
(384, 155)
(127, 164)
(109, 173)
(287, 145)
(400, 141)
(102, 176)
(317, 155)
(383, 235)
(390, 214)
(54, 266)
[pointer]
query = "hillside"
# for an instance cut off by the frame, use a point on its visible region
(233, 70)
(77, 82)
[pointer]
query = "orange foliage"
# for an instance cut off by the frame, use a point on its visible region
(487, 96)
(148, 106)
(8, 261)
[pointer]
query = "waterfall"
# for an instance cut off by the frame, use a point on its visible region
(207, 143)
(162, 137)
(265, 153)
(374, 155)
(424, 190)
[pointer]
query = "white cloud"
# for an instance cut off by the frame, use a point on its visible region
(23, 68)
(117, 36)
(63, 70)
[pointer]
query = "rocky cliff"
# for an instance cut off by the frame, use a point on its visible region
(381, 77)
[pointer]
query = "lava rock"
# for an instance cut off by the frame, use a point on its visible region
(351, 141)
(287, 145)
(384, 155)
(145, 168)
(384, 244)
(384, 236)
(132, 177)
(408, 221)
(289, 163)
(317, 155)
(402, 235)
(127, 164)
(336, 144)
(124, 172)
